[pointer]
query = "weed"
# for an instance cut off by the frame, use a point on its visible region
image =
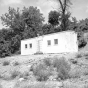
(16, 63)
(14, 74)
(5, 63)
(79, 55)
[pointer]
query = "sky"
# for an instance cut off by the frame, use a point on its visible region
(78, 9)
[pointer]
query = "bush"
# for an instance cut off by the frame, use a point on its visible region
(41, 72)
(16, 63)
(79, 55)
(75, 73)
(63, 67)
(82, 42)
(47, 61)
(5, 63)
(15, 74)
(73, 61)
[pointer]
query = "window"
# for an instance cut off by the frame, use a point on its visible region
(30, 45)
(55, 41)
(49, 42)
(26, 46)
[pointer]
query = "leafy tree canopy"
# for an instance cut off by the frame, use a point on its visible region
(53, 18)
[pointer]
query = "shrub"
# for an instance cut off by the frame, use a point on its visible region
(73, 61)
(47, 61)
(63, 67)
(41, 72)
(14, 74)
(16, 63)
(75, 73)
(82, 43)
(5, 63)
(79, 55)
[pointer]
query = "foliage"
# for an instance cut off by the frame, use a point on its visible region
(53, 18)
(13, 19)
(55, 67)
(5, 63)
(4, 48)
(15, 74)
(82, 42)
(15, 43)
(48, 61)
(33, 19)
(62, 66)
(47, 29)
(16, 63)
(22, 24)
(65, 14)
(41, 72)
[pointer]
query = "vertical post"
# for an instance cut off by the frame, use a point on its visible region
(38, 43)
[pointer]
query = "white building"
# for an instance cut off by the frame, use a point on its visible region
(60, 42)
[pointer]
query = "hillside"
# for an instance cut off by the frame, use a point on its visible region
(11, 67)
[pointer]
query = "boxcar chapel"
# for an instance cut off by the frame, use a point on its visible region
(59, 42)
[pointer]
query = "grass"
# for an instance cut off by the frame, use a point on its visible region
(37, 85)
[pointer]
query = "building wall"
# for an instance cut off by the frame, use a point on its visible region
(28, 50)
(67, 42)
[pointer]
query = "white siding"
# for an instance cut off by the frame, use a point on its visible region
(67, 42)
(28, 50)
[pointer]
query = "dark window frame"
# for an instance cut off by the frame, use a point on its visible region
(49, 42)
(55, 41)
(30, 45)
(25, 46)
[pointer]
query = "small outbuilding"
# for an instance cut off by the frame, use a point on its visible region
(60, 42)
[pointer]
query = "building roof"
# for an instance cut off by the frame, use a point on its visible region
(50, 34)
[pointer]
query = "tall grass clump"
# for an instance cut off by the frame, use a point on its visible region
(63, 67)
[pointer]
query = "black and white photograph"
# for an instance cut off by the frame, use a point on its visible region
(43, 43)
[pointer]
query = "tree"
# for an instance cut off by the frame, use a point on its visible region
(21, 24)
(4, 48)
(53, 18)
(15, 44)
(28, 18)
(33, 19)
(48, 28)
(74, 24)
(64, 5)
(14, 20)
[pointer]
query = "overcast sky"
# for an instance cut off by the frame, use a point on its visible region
(79, 9)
